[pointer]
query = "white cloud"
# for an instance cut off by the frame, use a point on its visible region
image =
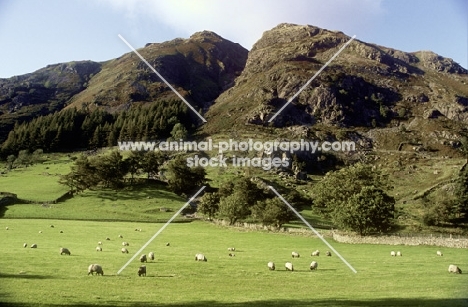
(244, 21)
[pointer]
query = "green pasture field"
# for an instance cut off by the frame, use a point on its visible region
(34, 277)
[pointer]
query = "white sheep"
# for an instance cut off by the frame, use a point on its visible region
(289, 266)
(316, 253)
(99, 243)
(125, 244)
(439, 253)
(295, 255)
(200, 257)
(95, 268)
(40, 231)
(98, 249)
(313, 265)
(328, 253)
(231, 249)
(454, 269)
(143, 258)
(271, 266)
(398, 253)
(232, 255)
(392, 253)
(34, 245)
(6, 228)
(25, 244)
(167, 244)
(65, 251)
(151, 256)
(120, 236)
(124, 250)
(142, 270)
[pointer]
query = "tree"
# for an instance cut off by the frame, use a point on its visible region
(111, 169)
(82, 176)
(179, 132)
(272, 212)
(209, 205)
(183, 179)
(371, 210)
(150, 162)
(233, 207)
(355, 199)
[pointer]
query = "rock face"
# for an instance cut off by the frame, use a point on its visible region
(365, 86)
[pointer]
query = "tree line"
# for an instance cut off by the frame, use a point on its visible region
(73, 129)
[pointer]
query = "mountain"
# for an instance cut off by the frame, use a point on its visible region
(378, 96)
(365, 84)
(200, 68)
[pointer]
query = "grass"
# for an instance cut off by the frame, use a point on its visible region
(42, 276)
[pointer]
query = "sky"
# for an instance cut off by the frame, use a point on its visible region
(34, 34)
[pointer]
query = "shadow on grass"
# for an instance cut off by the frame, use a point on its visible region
(24, 276)
(281, 303)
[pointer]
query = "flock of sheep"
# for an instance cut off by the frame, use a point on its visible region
(452, 267)
(97, 268)
(290, 267)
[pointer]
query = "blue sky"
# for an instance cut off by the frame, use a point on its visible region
(34, 34)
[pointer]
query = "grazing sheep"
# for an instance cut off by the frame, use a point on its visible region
(200, 257)
(232, 255)
(139, 229)
(61, 231)
(454, 269)
(120, 236)
(328, 253)
(136, 229)
(316, 253)
(34, 245)
(151, 256)
(99, 249)
(392, 253)
(51, 226)
(65, 251)
(108, 239)
(99, 243)
(271, 266)
(439, 253)
(142, 270)
(25, 244)
(6, 228)
(125, 244)
(40, 231)
(289, 266)
(95, 268)
(295, 255)
(143, 258)
(124, 250)
(313, 265)
(231, 249)
(399, 254)
(167, 244)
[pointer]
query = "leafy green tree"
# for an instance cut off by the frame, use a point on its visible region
(179, 132)
(183, 179)
(272, 212)
(83, 175)
(150, 163)
(111, 169)
(355, 199)
(233, 207)
(209, 205)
